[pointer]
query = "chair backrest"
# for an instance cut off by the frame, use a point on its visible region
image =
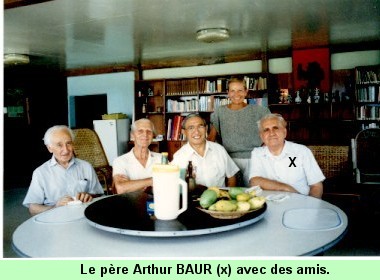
(366, 156)
(333, 160)
(87, 146)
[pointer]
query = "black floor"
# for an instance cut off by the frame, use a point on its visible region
(363, 232)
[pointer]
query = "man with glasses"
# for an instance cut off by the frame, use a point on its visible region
(211, 162)
(62, 179)
(133, 170)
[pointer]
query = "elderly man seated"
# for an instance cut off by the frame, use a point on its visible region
(281, 165)
(63, 178)
(133, 170)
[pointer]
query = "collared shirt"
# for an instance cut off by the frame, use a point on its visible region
(295, 166)
(51, 181)
(212, 168)
(129, 165)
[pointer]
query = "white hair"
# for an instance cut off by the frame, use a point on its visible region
(278, 117)
(53, 129)
(134, 125)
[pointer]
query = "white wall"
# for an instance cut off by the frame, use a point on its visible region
(253, 66)
(349, 60)
(280, 65)
(119, 88)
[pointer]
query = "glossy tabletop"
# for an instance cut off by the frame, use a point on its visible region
(101, 214)
(296, 225)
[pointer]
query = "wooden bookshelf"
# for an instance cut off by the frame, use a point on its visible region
(333, 120)
(167, 101)
(367, 96)
(329, 121)
(150, 102)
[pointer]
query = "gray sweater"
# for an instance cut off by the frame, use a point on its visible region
(238, 128)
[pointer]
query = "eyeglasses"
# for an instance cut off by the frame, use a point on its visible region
(192, 128)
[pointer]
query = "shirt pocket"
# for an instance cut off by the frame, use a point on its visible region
(81, 185)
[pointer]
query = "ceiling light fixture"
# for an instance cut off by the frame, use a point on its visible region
(213, 35)
(16, 59)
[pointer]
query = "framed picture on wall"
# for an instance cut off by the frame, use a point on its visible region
(311, 69)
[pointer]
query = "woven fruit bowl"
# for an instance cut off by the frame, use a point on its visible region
(227, 215)
(231, 203)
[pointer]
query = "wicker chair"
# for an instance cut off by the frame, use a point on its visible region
(333, 160)
(87, 146)
(338, 188)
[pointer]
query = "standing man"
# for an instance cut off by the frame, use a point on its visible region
(63, 178)
(281, 165)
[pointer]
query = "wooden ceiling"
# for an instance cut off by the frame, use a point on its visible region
(78, 34)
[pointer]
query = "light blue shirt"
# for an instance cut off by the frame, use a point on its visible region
(295, 166)
(51, 182)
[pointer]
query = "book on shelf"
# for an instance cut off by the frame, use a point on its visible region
(211, 102)
(213, 85)
(369, 112)
(182, 105)
(368, 94)
(174, 131)
(365, 76)
(206, 103)
(256, 83)
(219, 85)
(258, 101)
(181, 87)
(169, 129)
(221, 101)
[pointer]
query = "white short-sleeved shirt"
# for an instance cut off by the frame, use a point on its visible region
(212, 168)
(295, 166)
(51, 182)
(129, 165)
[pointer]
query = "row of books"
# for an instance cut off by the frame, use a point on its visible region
(366, 76)
(212, 86)
(368, 112)
(256, 83)
(368, 94)
(174, 130)
(181, 105)
(182, 87)
(190, 86)
(210, 103)
(220, 85)
(205, 103)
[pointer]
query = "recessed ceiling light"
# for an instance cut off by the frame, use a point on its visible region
(16, 59)
(213, 35)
